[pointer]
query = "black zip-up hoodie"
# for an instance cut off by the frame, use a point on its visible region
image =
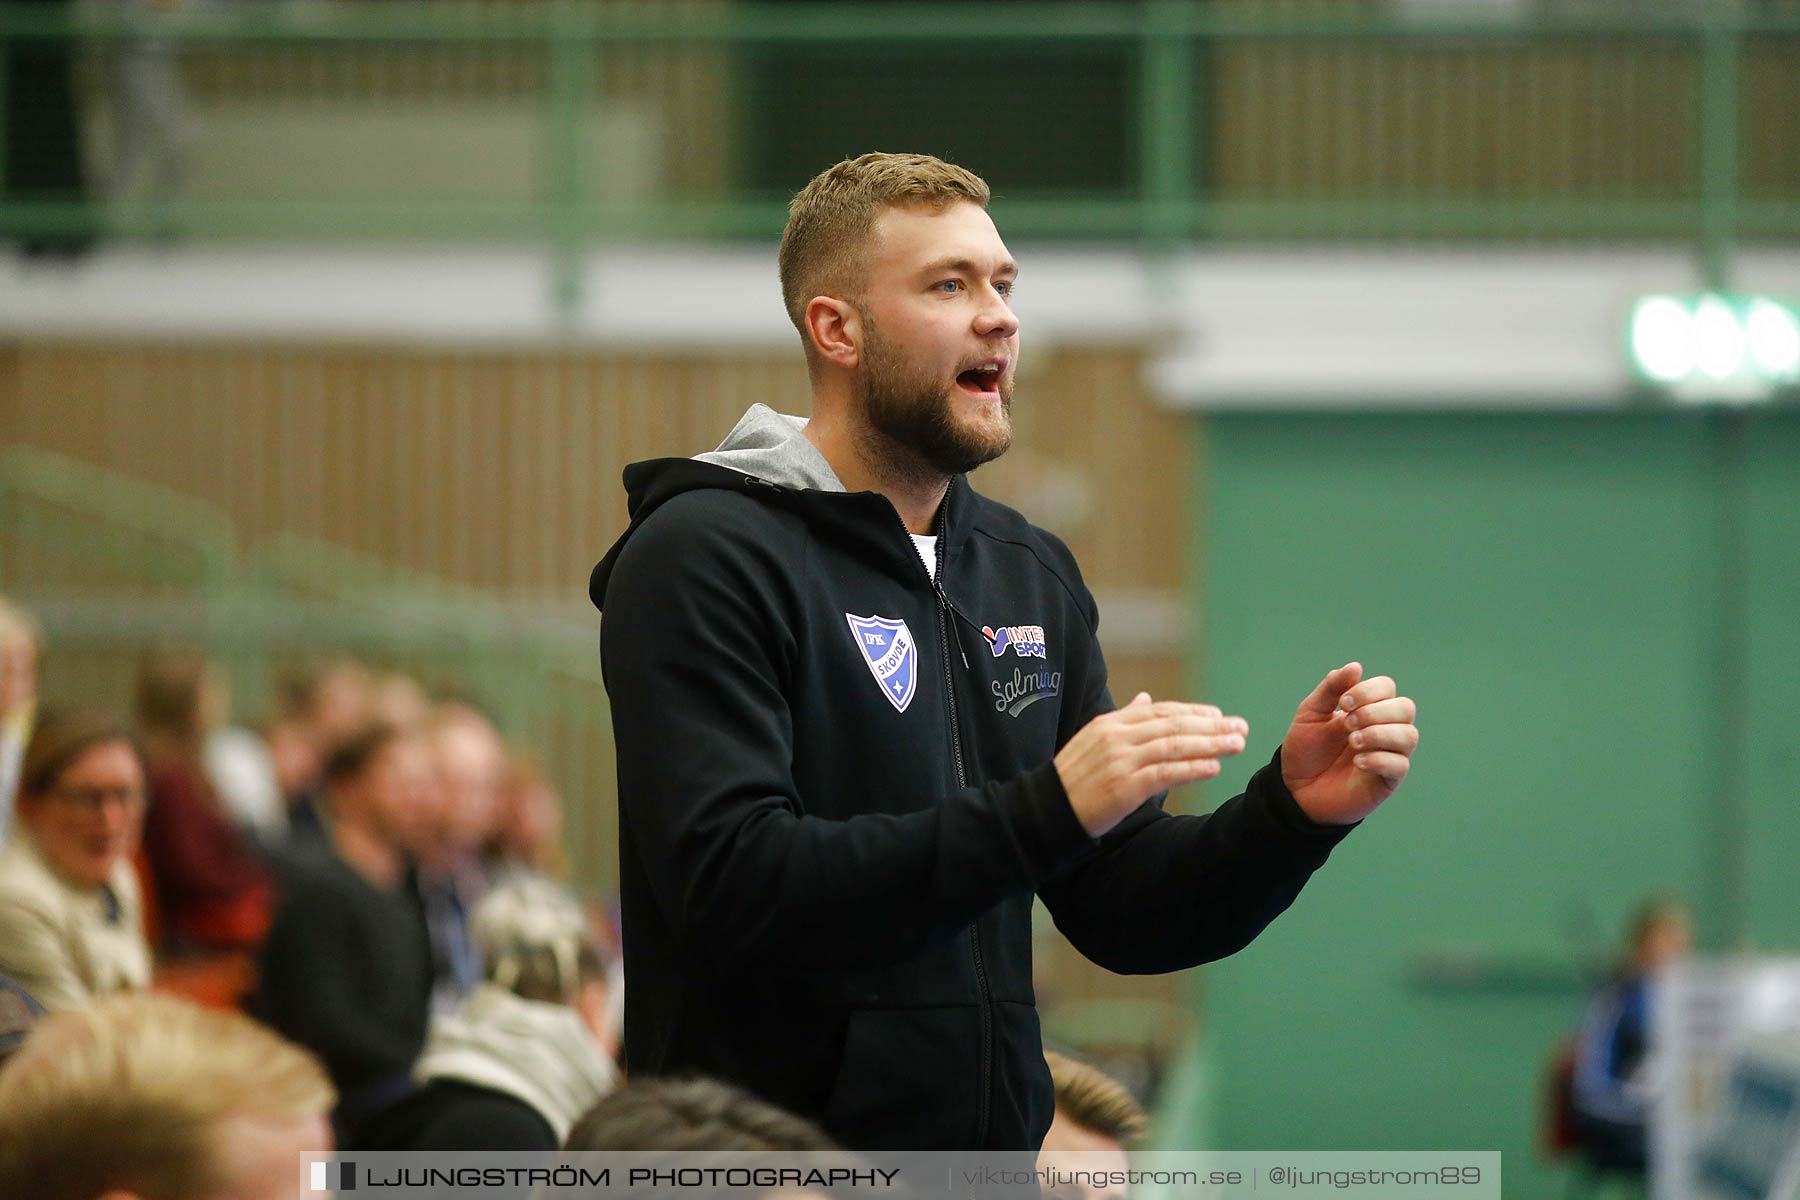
(836, 799)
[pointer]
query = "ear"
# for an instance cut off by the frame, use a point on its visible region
(834, 328)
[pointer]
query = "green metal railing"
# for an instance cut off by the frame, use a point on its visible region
(89, 529)
(1368, 122)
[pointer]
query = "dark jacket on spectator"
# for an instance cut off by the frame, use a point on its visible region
(451, 1115)
(346, 972)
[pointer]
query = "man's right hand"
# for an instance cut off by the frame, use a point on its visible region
(1120, 759)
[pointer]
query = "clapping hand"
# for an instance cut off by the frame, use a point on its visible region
(1349, 747)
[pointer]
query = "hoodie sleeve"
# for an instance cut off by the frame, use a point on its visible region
(697, 641)
(1165, 892)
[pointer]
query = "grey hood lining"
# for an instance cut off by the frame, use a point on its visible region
(772, 447)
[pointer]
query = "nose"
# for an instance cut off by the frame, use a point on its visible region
(996, 318)
(115, 821)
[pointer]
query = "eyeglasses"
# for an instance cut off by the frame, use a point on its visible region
(93, 799)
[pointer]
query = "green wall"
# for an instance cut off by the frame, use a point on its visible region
(1772, 755)
(1551, 589)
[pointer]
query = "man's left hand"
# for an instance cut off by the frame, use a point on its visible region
(1349, 747)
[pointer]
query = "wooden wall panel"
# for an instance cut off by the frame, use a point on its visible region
(682, 93)
(501, 468)
(497, 469)
(1770, 147)
(1483, 119)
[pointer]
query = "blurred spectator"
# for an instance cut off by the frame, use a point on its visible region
(472, 766)
(242, 772)
(682, 1115)
(674, 1118)
(528, 834)
(19, 642)
(400, 701)
(346, 970)
(471, 769)
(153, 1098)
(1615, 1075)
(521, 1060)
(71, 917)
(212, 892)
(1094, 1120)
(19, 1011)
(318, 706)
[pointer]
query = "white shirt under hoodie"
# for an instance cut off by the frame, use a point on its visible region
(539, 1053)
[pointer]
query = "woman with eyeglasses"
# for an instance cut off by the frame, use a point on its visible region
(71, 917)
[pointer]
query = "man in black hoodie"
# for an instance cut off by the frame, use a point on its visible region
(862, 717)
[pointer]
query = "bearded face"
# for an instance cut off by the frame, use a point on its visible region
(932, 419)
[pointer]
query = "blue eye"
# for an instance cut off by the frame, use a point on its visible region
(950, 286)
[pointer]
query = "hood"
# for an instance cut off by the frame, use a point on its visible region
(772, 447)
(535, 1052)
(767, 455)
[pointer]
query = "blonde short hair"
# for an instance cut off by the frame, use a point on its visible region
(132, 1094)
(822, 249)
(1096, 1101)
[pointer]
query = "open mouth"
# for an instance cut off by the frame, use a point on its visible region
(980, 381)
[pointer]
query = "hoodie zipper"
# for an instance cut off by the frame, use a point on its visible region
(945, 629)
(945, 610)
